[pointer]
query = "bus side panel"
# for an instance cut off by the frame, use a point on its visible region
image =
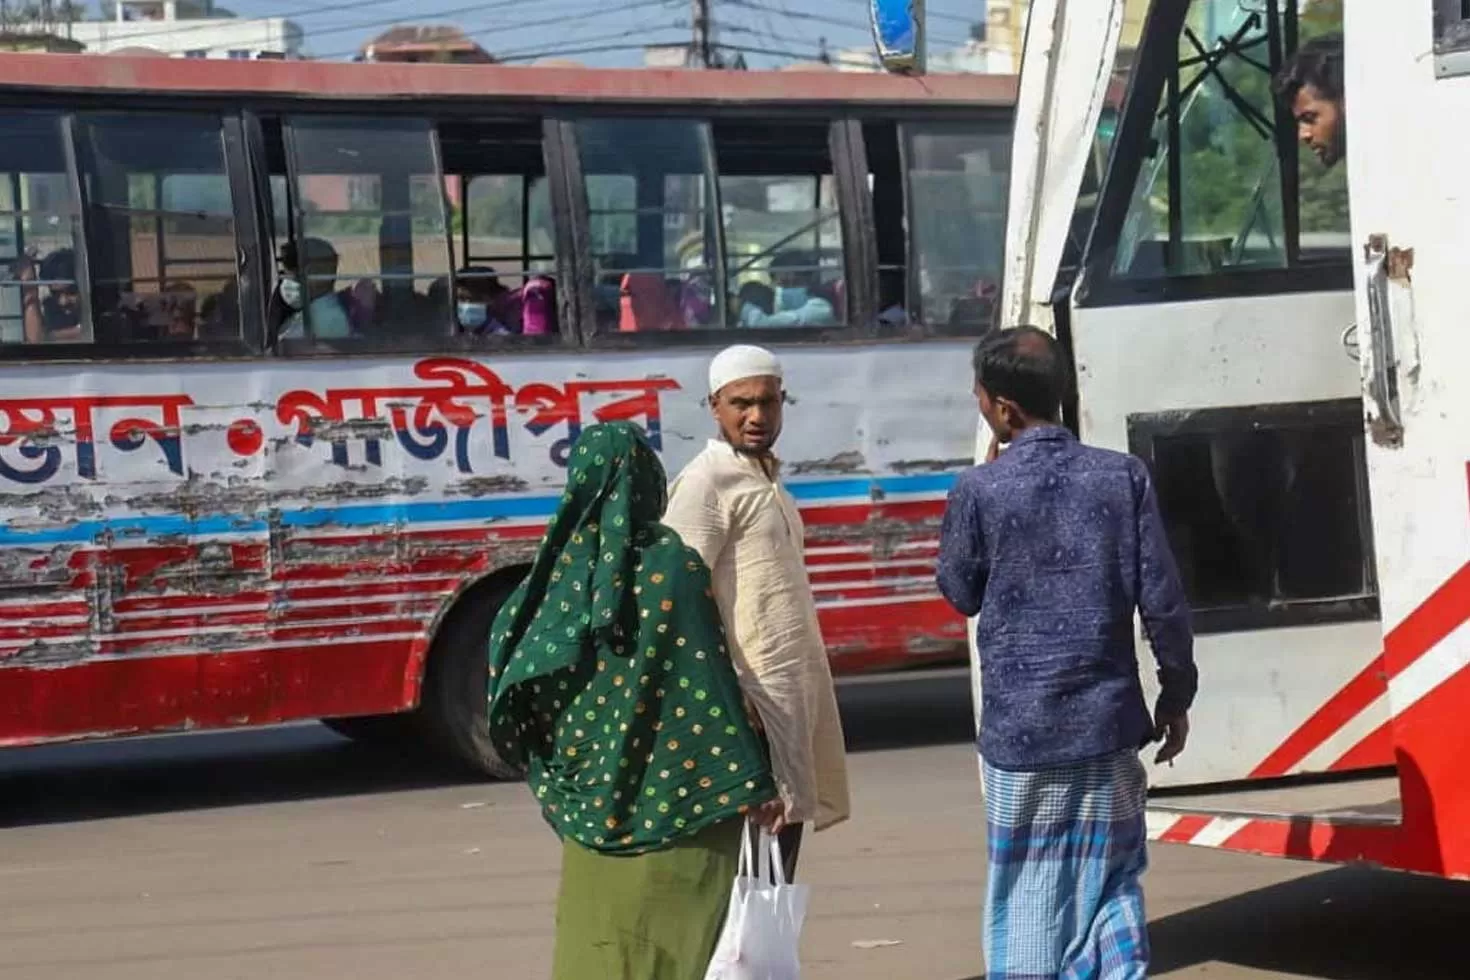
(236, 544)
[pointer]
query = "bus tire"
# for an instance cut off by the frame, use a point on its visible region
(455, 705)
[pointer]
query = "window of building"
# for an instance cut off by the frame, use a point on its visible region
(365, 253)
(1267, 511)
(783, 234)
(197, 53)
(1223, 184)
(236, 54)
(654, 224)
(40, 295)
(161, 249)
(958, 176)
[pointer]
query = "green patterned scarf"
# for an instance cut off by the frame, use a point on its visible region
(610, 680)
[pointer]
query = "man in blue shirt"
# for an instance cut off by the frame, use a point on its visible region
(1054, 546)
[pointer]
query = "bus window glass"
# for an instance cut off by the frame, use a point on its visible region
(957, 180)
(40, 296)
(655, 239)
(372, 240)
(885, 183)
(161, 243)
(504, 235)
(783, 234)
(1265, 508)
(1210, 196)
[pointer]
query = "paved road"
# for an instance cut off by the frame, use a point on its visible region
(290, 854)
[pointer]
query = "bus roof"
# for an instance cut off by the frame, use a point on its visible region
(410, 82)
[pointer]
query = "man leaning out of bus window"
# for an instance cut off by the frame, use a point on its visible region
(801, 300)
(314, 281)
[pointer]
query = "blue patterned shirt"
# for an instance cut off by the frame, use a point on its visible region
(1054, 545)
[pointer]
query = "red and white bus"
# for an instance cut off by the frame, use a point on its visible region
(217, 512)
(1282, 343)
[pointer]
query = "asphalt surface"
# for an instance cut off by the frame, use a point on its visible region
(291, 854)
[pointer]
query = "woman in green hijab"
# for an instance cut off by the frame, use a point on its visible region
(610, 682)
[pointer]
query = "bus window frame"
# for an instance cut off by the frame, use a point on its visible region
(847, 331)
(1146, 429)
(246, 343)
(1098, 285)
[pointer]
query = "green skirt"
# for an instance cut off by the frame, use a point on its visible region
(652, 917)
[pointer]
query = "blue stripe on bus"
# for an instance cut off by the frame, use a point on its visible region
(365, 515)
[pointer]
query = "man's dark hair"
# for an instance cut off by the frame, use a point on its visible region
(59, 266)
(1024, 365)
(1317, 63)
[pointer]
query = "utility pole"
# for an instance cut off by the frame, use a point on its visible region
(702, 52)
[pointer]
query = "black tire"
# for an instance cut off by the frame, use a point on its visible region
(454, 706)
(377, 730)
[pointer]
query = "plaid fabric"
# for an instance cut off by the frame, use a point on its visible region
(1067, 847)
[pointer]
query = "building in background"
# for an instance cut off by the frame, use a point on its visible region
(433, 44)
(186, 29)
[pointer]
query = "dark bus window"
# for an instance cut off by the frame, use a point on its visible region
(161, 241)
(1211, 195)
(40, 298)
(958, 175)
(1267, 511)
(885, 180)
(504, 235)
(1451, 38)
(783, 234)
(369, 258)
(654, 227)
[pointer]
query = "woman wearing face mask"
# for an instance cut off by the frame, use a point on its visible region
(799, 303)
(483, 305)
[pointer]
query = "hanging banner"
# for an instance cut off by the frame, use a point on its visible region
(898, 31)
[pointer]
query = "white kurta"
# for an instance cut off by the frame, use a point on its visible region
(747, 529)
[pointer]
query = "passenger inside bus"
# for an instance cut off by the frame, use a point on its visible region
(647, 305)
(55, 317)
(315, 283)
(483, 305)
(801, 299)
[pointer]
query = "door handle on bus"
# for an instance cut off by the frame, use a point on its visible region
(1386, 425)
(1350, 342)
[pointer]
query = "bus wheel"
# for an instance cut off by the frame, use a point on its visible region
(455, 700)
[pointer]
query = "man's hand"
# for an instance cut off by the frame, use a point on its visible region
(771, 816)
(1174, 733)
(755, 717)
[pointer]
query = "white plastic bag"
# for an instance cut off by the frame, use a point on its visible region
(762, 935)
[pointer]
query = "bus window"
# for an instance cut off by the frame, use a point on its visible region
(885, 181)
(957, 184)
(504, 236)
(371, 237)
(40, 299)
(783, 237)
(1265, 509)
(655, 239)
(161, 240)
(1212, 195)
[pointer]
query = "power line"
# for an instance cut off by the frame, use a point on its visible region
(579, 14)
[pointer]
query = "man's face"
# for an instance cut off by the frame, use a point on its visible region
(1319, 124)
(998, 414)
(749, 414)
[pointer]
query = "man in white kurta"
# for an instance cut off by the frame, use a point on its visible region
(729, 505)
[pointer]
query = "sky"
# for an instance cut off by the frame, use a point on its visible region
(775, 31)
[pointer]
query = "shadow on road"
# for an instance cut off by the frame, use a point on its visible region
(90, 781)
(1345, 924)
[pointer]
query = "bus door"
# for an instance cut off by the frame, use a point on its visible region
(1214, 335)
(1411, 230)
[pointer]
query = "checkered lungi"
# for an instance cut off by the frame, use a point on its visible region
(1067, 848)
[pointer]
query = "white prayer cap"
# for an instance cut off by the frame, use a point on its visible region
(740, 362)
